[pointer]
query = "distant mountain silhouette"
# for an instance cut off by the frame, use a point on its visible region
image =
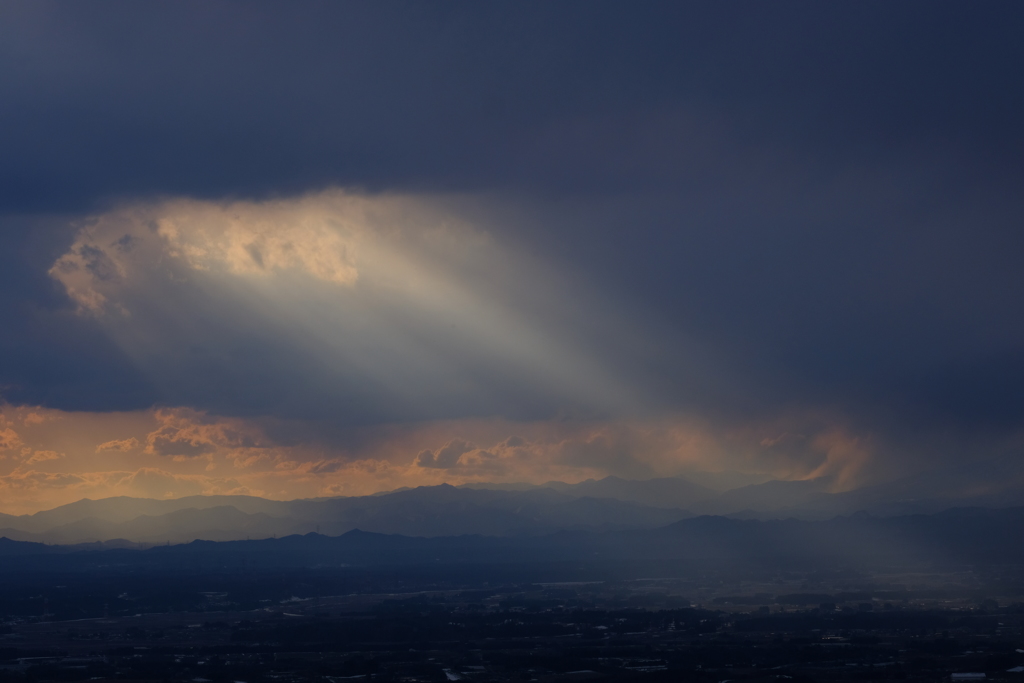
(426, 511)
(607, 504)
(960, 537)
(669, 492)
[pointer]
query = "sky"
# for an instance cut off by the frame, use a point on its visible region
(310, 249)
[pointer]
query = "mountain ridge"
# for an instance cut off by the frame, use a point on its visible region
(605, 504)
(957, 537)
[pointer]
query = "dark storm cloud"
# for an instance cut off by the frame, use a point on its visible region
(826, 198)
(209, 98)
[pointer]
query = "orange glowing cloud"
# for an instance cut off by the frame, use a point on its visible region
(122, 445)
(171, 452)
(9, 439)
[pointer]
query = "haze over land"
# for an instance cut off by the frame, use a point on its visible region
(609, 504)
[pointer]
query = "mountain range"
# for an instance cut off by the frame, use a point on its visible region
(963, 537)
(503, 510)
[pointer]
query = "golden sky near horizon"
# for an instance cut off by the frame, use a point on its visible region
(50, 457)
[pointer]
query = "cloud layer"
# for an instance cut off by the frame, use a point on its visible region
(342, 305)
(342, 247)
(52, 457)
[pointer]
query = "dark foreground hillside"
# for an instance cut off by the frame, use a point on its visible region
(473, 622)
(707, 599)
